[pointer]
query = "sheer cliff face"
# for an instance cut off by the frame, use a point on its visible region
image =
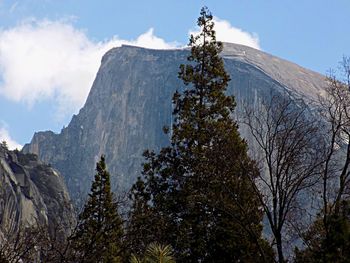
(130, 102)
(31, 193)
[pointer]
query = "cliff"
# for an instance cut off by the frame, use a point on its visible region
(131, 100)
(31, 193)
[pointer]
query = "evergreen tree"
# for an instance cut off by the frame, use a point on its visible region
(334, 247)
(195, 194)
(99, 229)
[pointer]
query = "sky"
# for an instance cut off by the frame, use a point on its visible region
(50, 50)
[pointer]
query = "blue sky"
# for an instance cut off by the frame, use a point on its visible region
(50, 50)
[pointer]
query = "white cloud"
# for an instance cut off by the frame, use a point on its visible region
(5, 136)
(41, 60)
(225, 32)
(149, 40)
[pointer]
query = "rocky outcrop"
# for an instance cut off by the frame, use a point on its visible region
(31, 194)
(130, 102)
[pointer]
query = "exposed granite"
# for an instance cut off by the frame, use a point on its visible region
(130, 102)
(31, 193)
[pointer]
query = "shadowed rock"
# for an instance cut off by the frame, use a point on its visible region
(31, 193)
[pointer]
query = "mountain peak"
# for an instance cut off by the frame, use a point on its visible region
(131, 100)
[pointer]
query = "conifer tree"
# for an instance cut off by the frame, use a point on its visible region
(99, 229)
(320, 248)
(196, 192)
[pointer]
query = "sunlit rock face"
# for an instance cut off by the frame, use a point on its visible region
(131, 100)
(31, 194)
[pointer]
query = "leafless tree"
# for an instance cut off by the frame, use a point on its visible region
(335, 109)
(286, 136)
(20, 246)
(37, 243)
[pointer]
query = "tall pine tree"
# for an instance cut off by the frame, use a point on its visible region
(195, 194)
(99, 230)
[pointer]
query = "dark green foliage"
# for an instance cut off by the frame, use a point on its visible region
(195, 194)
(336, 248)
(99, 230)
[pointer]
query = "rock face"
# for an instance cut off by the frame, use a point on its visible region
(130, 102)
(31, 193)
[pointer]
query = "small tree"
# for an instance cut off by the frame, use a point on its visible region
(21, 246)
(195, 194)
(330, 246)
(288, 143)
(335, 108)
(99, 231)
(155, 253)
(329, 238)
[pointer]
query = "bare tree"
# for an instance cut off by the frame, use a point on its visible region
(335, 109)
(20, 246)
(38, 243)
(328, 238)
(286, 137)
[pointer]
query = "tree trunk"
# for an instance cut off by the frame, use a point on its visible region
(279, 248)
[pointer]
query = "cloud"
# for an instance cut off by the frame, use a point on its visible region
(149, 40)
(5, 136)
(44, 60)
(225, 32)
(41, 60)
